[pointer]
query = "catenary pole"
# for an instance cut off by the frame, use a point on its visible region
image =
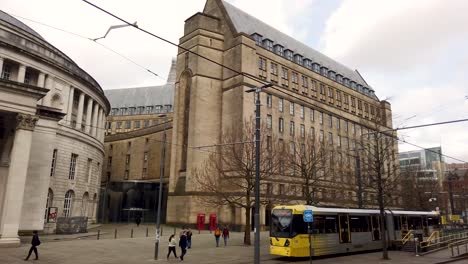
(158, 217)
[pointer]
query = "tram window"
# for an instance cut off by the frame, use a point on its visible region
(433, 221)
(414, 222)
(396, 223)
(324, 224)
(298, 226)
(281, 222)
(359, 223)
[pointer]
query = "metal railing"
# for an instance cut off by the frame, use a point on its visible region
(441, 242)
(463, 244)
(407, 237)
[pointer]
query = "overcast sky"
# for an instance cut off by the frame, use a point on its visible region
(413, 53)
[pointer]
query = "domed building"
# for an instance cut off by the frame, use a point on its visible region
(52, 116)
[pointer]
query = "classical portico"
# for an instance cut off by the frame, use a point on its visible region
(16, 130)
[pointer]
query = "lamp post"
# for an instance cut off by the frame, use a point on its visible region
(257, 91)
(158, 216)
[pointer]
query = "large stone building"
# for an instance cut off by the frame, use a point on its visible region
(52, 116)
(312, 94)
(133, 145)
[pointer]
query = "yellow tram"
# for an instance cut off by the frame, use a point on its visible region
(341, 230)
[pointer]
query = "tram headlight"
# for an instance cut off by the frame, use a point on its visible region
(286, 244)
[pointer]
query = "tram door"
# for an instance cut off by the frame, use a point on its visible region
(375, 226)
(343, 222)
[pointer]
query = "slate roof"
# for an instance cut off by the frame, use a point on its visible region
(144, 96)
(249, 25)
(15, 22)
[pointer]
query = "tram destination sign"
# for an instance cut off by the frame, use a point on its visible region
(308, 216)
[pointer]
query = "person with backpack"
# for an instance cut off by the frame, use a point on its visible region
(183, 245)
(34, 243)
(172, 246)
(217, 234)
(225, 235)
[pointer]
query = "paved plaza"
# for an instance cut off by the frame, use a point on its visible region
(79, 249)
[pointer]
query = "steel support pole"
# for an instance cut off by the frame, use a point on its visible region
(359, 180)
(257, 177)
(158, 217)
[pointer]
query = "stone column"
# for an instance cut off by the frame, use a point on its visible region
(95, 116)
(88, 115)
(1, 67)
(71, 94)
(99, 124)
(103, 125)
(41, 79)
(79, 118)
(21, 73)
(16, 180)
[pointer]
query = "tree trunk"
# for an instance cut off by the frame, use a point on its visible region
(380, 193)
(248, 210)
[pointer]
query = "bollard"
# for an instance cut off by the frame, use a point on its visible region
(161, 230)
(115, 233)
(131, 233)
(98, 233)
(146, 232)
(416, 246)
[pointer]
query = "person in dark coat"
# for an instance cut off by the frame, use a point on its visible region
(183, 245)
(138, 220)
(34, 243)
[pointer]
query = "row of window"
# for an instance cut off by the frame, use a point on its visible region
(311, 65)
(325, 93)
(141, 110)
(128, 124)
(73, 166)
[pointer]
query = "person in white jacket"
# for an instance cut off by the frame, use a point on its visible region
(172, 246)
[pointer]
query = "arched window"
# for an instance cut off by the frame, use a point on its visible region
(67, 204)
(84, 204)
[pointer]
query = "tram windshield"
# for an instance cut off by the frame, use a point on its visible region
(281, 220)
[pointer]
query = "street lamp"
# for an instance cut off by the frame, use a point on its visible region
(158, 217)
(257, 91)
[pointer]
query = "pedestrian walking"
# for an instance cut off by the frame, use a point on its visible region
(217, 234)
(189, 238)
(34, 243)
(183, 245)
(138, 220)
(172, 246)
(225, 235)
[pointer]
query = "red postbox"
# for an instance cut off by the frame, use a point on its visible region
(201, 222)
(213, 222)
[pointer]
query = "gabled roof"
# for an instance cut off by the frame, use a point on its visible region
(144, 96)
(249, 25)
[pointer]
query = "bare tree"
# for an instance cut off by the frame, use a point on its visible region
(418, 187)
(311, 161)
(378, 164)
(228, 176)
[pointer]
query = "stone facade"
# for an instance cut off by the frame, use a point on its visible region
(312, 95)
(133, 151)
(50, 111)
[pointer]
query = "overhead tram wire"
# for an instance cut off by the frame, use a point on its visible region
(90, 39)
(254, 78)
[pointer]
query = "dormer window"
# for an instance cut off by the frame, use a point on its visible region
(279, 50)
(339, 78)
(316, 67)
(346, 82)
(289, 54)
(366, 91)
(298, 59)
(371, 92)
(324, 71)
(307, 63)
(359, 87)
(257, 38)
(353, 85)
(268, 44)
(332, 75)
